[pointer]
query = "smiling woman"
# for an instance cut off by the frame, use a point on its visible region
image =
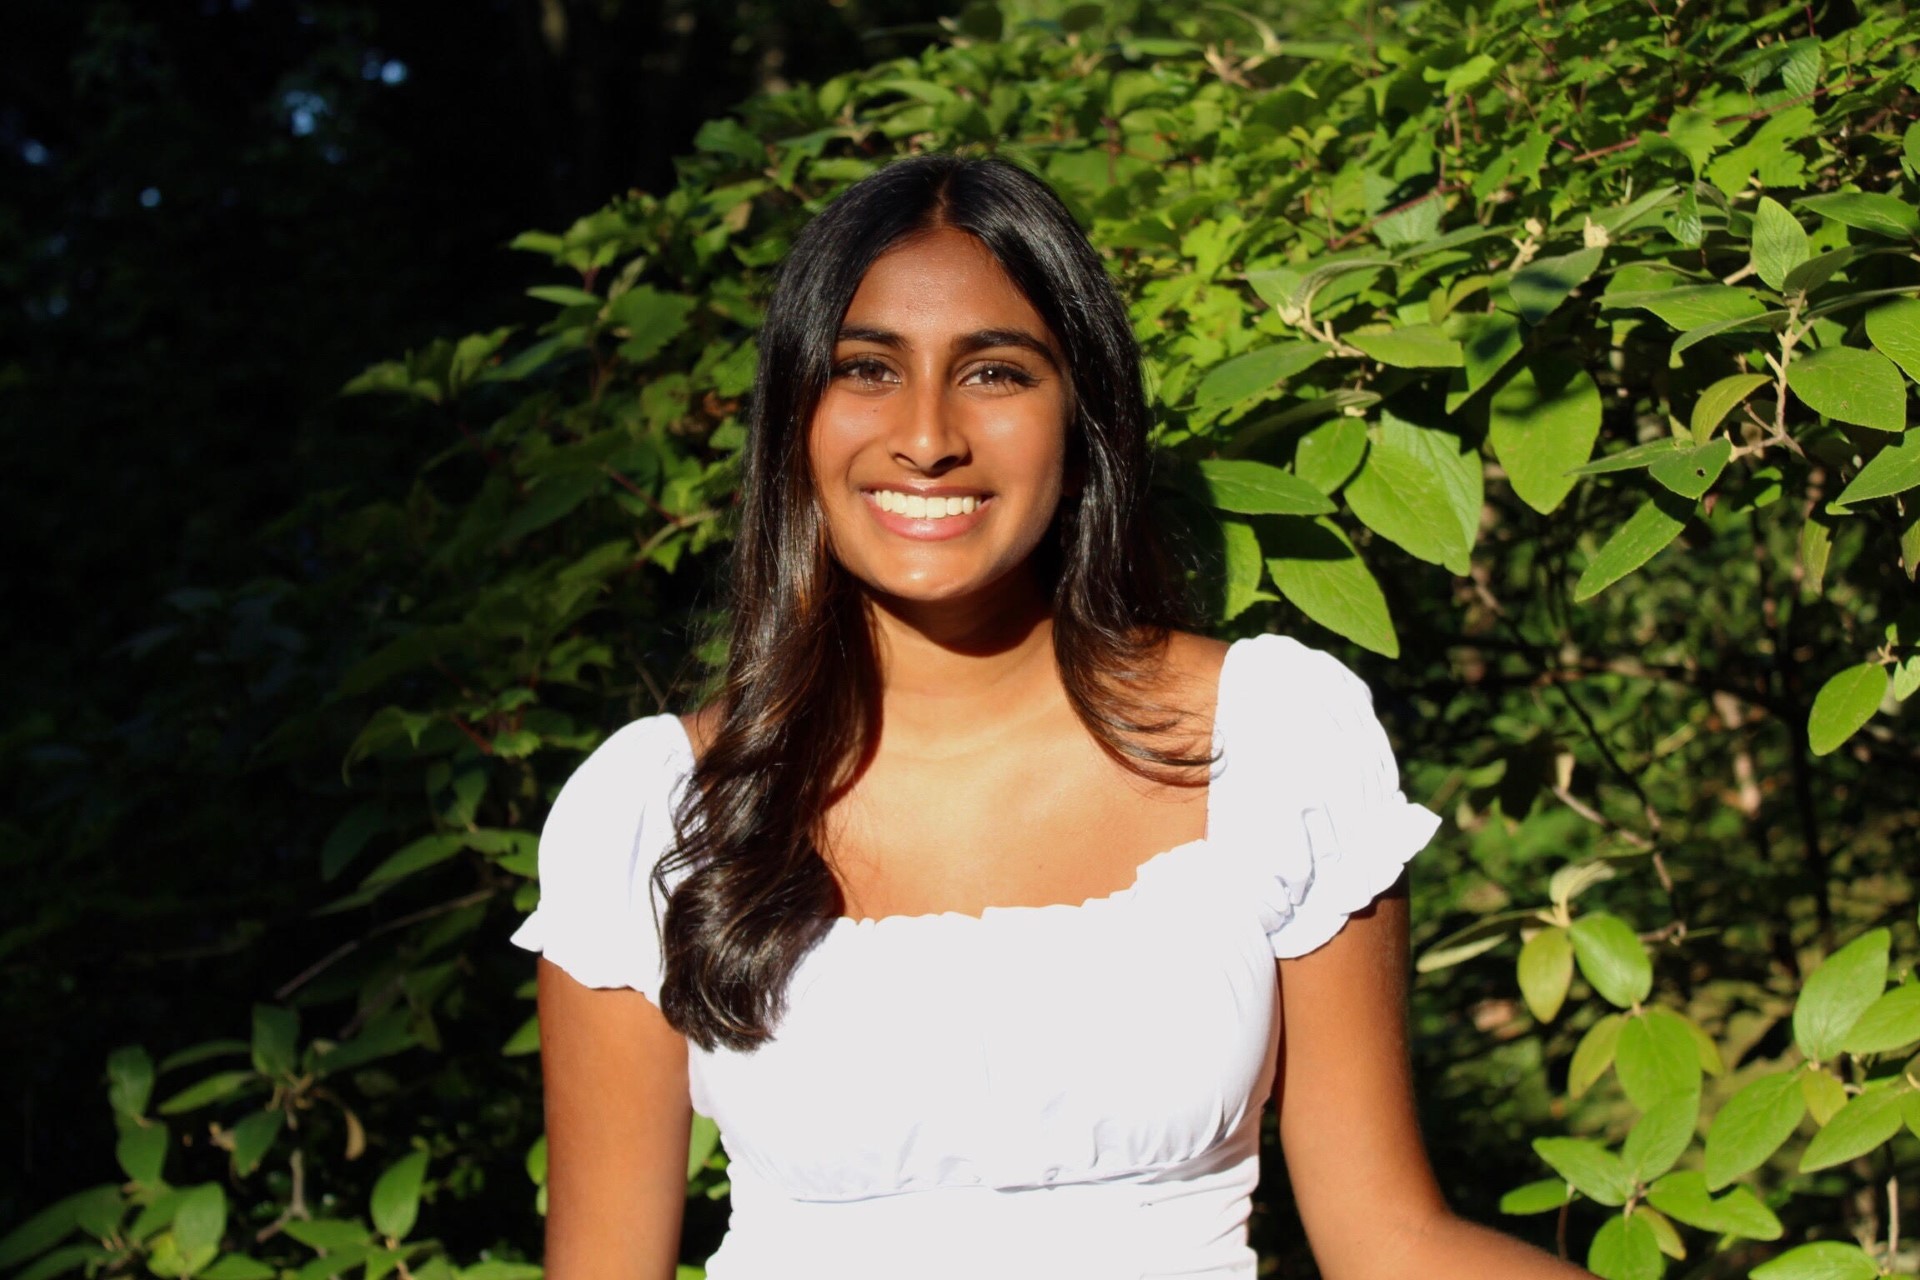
(939, 448)
(983, 909)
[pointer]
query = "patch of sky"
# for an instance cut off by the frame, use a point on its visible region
(304, 110)
(375, 65)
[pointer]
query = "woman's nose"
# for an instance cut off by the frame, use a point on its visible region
(928, 435)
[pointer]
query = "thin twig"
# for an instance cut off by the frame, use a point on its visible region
(347, 948)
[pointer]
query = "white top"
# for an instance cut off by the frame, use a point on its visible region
(1037, 1091)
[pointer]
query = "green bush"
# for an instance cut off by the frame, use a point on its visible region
(1561, 354)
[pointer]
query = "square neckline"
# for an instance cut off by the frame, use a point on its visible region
(1141, 872)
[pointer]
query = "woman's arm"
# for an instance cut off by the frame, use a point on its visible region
(1344, 1089)
(617, 1124)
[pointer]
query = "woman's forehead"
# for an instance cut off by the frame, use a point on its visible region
(940, 282)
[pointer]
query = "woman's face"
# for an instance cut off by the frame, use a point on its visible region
(939, 448)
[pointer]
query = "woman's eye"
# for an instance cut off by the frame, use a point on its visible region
(1001, 375)
(868, 371)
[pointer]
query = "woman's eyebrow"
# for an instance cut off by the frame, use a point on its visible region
(982, 339)
(965, 344)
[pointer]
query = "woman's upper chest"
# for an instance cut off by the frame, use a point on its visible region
(1027, 813)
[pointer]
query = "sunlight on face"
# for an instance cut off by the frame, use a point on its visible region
(939, 448)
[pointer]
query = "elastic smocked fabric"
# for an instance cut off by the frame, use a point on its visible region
(1064, 1090)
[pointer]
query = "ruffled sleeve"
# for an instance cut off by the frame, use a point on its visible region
(1307, 790)
(597, 917)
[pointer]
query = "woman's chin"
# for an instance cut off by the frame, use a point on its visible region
(910, 592)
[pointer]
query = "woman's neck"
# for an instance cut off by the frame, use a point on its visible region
(958, 672)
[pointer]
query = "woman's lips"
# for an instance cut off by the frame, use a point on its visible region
(926, 528)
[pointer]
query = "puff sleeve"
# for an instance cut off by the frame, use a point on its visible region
(597, 918)
(1309, 790)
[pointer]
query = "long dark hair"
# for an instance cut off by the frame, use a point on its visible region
(797, 708)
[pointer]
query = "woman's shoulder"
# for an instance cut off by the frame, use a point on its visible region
(636, 764)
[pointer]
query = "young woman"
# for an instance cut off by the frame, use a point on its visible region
(982, 908)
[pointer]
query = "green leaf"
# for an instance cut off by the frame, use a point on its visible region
(1689, 306)
(129, 1081)
(1705, 1049)
(1850, 385)
(498, 1270)
(1489, 340)
(1660, 1136)
(396, 1196)
(1824, 1093)
(276, 1035)
(253, 1138)
(1683, 1195)
(1894, 330)
(156, 1214)
(1645, 534)
(1820, 268)
(1593, 1170)
(1542, 423)
(1825, 1260)
(216, 1087)
(349, 836)
(1837, 993)
(52, 1224)
(1327, 455)
(1779, 242)
(1419, 346)
(1691, 472)
(1870, 1118)
(1751, 1125)
(200, 1220)
(1543, 1196)
(1478, 938)
(1657, 1058)
(1895, 469)
(1318, 571)
(1420, 488)
(141, 1151)
(1666, 449)
(1542, 285)
(1845, 702)
(331, 1235)
(238, 1266)
(1612, 959)
(562, 295)
(62, 1261)
(1775, 320)
(1595, 1053)
(1889, 1023)
(650, 318)
(1624, 1248)
(417, 855)
(703, 1138)
(1720, 399)
(1258, 489)
(1881, 214)
(523, 1041)
(1254, 373)
(1546, 970)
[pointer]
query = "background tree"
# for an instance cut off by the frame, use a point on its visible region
(1563, 357)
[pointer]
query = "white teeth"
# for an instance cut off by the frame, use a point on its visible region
(920, 507)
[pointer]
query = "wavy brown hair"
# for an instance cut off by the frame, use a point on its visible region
(798, 703)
